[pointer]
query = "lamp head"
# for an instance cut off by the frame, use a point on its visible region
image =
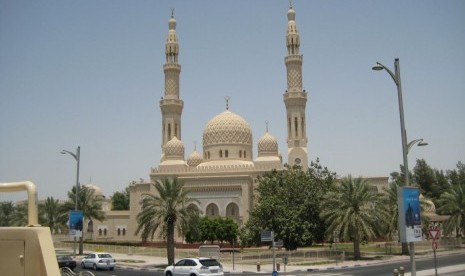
(377, 67)
(422, 144)
(63, 152)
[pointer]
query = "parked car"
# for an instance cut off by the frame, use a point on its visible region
(66, 261)
(98, 260)
(195, 267)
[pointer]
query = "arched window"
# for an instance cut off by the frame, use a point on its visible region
(232, 210)
(169, 132)
(208, 155)
(240, 154)
(212, 210)
(221, 153)
(296, 127)
(124, 231)
(100, 232)
(105, 231)
(119, 232)
(245, 155)
(226, 153)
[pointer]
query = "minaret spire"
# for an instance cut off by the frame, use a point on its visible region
(171, 105)
(295, 98)
(227, 98)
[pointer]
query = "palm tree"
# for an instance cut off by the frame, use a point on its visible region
(453, 204)
(165, 211)
(353, 211)
(51, 214)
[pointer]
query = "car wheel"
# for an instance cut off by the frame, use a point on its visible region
(83, 265)
(95, 267)
(168, 273)
(112, 268)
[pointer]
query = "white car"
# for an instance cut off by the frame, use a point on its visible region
(98, 260)
(195, 267)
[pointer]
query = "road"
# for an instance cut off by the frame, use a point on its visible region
(383, 269)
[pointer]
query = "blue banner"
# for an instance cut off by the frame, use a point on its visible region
(76, 223)
(409, 214)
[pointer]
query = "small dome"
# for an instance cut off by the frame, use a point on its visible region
(227, 128)
(194, 159)
(291, 14)
(96, 189)
(268, 144)
(429, 206)
(174, 148)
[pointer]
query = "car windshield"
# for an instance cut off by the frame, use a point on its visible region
(104, 255)
(209, 262)
(64, 258)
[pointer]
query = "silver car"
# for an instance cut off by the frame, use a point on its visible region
(195, 267)
(99, 260)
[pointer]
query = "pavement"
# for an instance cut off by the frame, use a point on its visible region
(150, 263)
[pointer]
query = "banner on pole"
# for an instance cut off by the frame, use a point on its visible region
(408, 202)
(75, 223)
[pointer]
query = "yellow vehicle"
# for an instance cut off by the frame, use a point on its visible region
(27, 250)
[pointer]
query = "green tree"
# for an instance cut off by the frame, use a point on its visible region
(120, 200)
(208, 229)
(453, 204)
(218, 229)
(227, 230)
(432, 182)
(353, 212)
(166, 210)
(7, 209)
(191, 229)
(52, 214)
(288, 203)
(457, 176)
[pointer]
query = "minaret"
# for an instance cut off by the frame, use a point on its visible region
(295, 98)
(170, 105)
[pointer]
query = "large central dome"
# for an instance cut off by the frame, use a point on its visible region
(227, 128)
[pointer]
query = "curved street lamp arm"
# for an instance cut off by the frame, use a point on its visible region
(393, 76)
(70, 153)
(412, 143)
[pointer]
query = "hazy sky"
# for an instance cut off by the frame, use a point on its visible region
(90, 73)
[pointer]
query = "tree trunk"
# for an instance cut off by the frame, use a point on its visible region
(170, 243)
(356, 249)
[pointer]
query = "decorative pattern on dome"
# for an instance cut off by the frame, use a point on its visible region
(174, 147)
(268, 143)
(194, 159)
(227, 128)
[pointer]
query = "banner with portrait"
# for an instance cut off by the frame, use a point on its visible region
(408, 203)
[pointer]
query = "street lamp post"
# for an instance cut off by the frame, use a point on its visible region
(76, 156)
(396, 77)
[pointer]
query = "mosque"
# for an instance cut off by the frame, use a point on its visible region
(222, 176)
